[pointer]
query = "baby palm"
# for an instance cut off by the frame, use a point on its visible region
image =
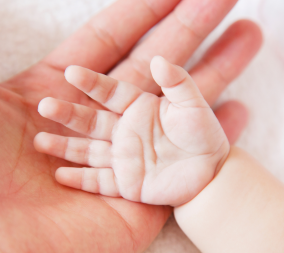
(149, 149)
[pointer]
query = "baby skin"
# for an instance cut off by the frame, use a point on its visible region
(155, 150)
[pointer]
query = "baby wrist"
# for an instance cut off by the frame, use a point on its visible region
(242, 201)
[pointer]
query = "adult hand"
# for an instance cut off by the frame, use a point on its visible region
(39, 215)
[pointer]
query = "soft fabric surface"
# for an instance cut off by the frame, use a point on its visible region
(30, 29)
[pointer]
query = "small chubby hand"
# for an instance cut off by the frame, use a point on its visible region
(155, 150)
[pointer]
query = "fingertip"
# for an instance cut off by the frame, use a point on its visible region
(69, 177)
(69, 72)
(156, 61)
(166, 74)
(251, 29)
(43, 106)
(50, 144)
(80, 77)
(61, 176)
(73, 74)
(39, 139)
(158, 66)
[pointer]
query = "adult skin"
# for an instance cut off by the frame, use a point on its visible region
(39, 215)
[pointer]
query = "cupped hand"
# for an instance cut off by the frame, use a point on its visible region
(39, 215)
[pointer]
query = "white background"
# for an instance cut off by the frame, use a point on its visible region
(30, 29)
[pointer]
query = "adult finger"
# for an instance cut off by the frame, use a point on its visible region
(233, 117)
(175, 38)
(103, 41)
(226, 59)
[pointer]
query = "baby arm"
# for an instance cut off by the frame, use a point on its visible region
(154, 150)
(241, 210)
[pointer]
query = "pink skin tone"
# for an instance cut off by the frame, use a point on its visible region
(39, 215)
(160, 151)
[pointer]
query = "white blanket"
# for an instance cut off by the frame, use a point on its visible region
(30, 29)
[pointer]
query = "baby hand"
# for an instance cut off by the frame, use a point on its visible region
(155, 150)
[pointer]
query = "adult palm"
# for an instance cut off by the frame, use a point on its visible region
(39, 215)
